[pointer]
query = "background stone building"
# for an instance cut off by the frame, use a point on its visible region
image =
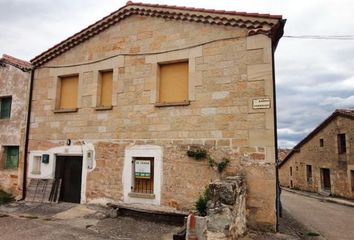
(14, 80)
(120, 103)
(324, 161)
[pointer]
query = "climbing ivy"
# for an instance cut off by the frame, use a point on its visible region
(200, 154)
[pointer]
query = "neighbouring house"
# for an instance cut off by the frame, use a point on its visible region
(14, 82)
(282, 153)
(323, 161)
(117, 106)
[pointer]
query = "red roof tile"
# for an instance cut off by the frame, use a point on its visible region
(16, 62)
(264, 23)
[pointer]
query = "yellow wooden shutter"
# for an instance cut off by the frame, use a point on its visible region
(68, 92)
(106, 88)
(173, 82)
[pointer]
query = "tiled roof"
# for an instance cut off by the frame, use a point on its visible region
(21, 64)
(349, 113)
(255, 23)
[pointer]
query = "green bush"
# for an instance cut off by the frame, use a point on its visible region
(201, 203)
(5, 197)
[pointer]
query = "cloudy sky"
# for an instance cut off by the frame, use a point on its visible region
(314, 77)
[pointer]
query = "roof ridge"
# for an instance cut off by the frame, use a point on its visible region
(246, 14)
(254, 26)
(22, 64)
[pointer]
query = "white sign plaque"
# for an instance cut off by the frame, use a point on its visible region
(142, 169)
(261, 103)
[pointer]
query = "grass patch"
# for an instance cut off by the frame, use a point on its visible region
(313, 234)
(5, 197)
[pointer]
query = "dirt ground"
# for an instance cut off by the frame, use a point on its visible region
(32, 221)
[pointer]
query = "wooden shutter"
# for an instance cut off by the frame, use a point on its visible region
(173, 82)
(68, 92)
(106, 88)
(5, 107)
(12, 155)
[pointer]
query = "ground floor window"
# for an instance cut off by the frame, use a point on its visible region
(143, 174)
(11, 157)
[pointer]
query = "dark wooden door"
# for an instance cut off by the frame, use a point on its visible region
(69, 169)
(326, 179)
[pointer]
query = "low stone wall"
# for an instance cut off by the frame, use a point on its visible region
(226, 212)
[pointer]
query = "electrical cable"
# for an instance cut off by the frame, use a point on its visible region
(141, 54)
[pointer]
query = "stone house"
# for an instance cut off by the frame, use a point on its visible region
(116, 107)
(323, 161)
(14, 80)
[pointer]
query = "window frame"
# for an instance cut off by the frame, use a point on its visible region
(6, 157)
(58, 108)
(159, 102)
(341, 143)
(99, 106)
(8, 116)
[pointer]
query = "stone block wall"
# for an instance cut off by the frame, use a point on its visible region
(311, 153)
(14, 82)
(224, 77)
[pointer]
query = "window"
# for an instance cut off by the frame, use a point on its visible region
(321, 142)
(291, 171)
(36, 167)
(309, 173)
(173, 85)
(5, 107)
(342, 148)
(105, 99)
(68, 92)
(11, 157)
(143, 175)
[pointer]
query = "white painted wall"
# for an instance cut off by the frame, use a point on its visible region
(48, 170)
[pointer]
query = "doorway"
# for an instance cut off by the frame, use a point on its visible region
(69, 170)
(326, 179)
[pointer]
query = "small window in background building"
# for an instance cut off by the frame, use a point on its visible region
(68, 92)
(11, 157)
(173, 87)
(291, 171)
(5, 107)
(106, 89)
(321, 142)
(309, 173)
(36, 167)
(342, 148)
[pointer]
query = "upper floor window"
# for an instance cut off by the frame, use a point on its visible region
(342, 148)
(5, 107)
(173, 83)
(291, 171)
(11, 157)
(321, 142)
(68, 92)
(105, 97)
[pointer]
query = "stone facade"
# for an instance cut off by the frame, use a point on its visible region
(311, 153)
(227, 70)
(14, 81)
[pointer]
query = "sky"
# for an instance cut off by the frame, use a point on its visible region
(314, 76)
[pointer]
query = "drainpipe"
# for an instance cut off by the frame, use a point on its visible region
(24, 182)
(277, 197)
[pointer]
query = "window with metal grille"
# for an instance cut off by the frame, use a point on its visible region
(309, 173)
(11, 157)
(5, 107)
(143, 175)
